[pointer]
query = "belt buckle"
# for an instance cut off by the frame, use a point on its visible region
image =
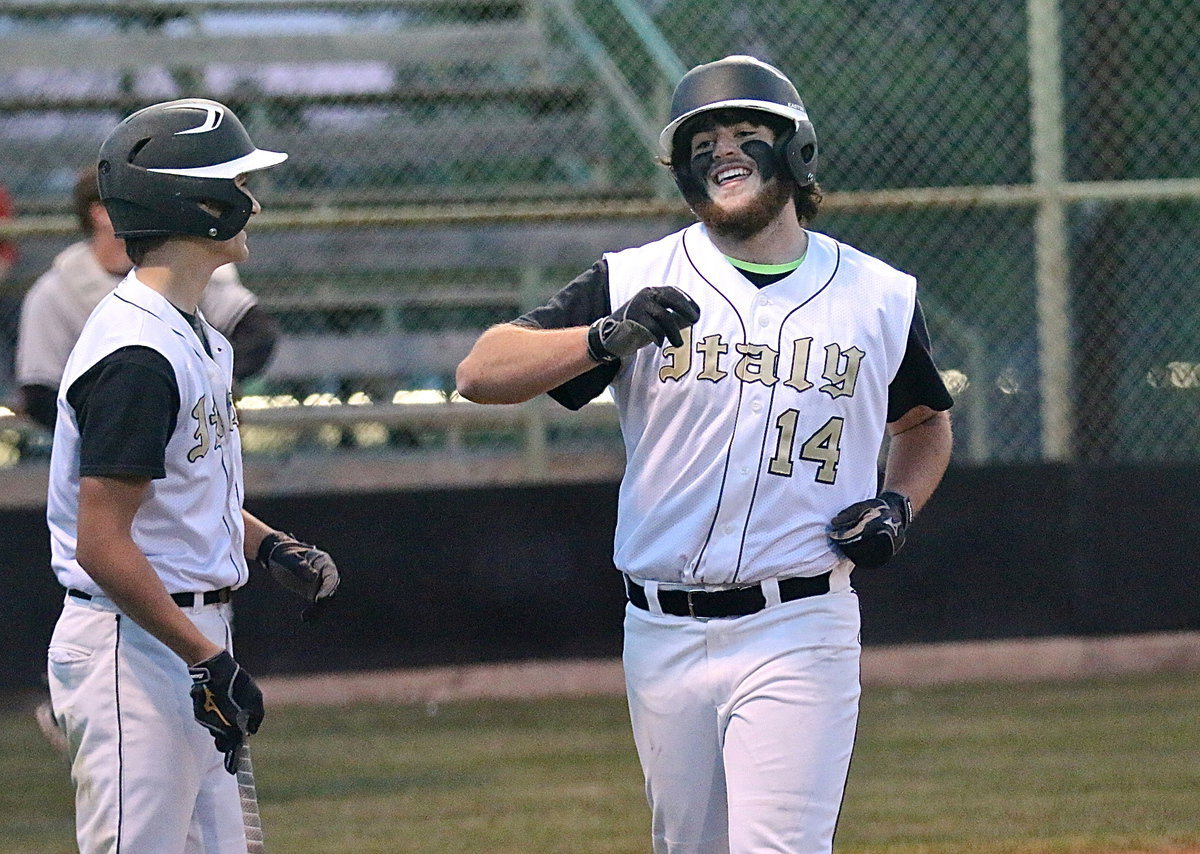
(691, 605)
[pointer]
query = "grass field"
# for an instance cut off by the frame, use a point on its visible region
(1087, 767)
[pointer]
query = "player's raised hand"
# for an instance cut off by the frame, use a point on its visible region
(306, 570)
(870, 532)
(226, 702)
(653, 315)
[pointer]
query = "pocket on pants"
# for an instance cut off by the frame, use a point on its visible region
(66, 654)
(78, 642)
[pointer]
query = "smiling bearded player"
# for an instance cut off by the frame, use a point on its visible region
(756, 366)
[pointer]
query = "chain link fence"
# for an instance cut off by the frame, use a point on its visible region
(456, 161)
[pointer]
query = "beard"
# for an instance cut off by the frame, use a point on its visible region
(749, 219)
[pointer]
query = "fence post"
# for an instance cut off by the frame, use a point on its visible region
(1046, 136)
(537, 451)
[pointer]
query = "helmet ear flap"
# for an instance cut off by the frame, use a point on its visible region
(799, 152)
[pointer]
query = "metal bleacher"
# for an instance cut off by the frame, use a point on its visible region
(384, 106)
(415, 99)
(403, 102)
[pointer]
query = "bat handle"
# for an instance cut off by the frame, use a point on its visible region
(248, 794)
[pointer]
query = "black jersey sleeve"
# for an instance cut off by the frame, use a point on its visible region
(41, 404)
(253, 341)
(918, 381)
(126, 406)
(585, 299)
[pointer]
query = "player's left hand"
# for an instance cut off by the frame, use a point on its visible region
(870, 532)
(306, 570)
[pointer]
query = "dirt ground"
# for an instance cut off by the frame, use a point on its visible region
(910, 665)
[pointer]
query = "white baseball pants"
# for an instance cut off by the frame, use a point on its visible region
(148, 778)
(744, 726)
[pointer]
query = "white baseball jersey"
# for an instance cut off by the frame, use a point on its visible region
(773, 410)
(58, 304)
(190, 526)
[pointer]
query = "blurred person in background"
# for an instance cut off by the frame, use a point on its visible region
(54, 310)
(9, 304)
(8, 249)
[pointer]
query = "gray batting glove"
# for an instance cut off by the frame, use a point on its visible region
(652, 316)
(305, 570)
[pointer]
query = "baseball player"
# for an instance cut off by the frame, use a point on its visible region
(8, 249)
(148, 534)
(55, 308)
(756, 366)
(8, 329)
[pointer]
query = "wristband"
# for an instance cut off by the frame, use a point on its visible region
(596, 350)
(268, 544)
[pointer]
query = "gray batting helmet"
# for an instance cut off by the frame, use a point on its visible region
(166, 168)
(743, 82)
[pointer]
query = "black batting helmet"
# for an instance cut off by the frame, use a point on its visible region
(743, 82)
(170, 169)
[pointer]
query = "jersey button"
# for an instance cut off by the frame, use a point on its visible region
(756, 406)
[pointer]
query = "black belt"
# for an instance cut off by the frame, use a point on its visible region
(735, 602)
(183, 600)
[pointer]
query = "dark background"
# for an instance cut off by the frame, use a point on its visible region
(436, 577)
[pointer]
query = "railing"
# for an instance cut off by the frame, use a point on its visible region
(324, 444)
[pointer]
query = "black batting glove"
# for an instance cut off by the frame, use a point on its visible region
(870, 532)
(303, 569)
(227, 703)
(652, 316)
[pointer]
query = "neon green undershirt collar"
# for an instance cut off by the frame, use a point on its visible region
(767, 269)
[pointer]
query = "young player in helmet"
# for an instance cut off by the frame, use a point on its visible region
(757, 366)
(55, 308)
(148, 534)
